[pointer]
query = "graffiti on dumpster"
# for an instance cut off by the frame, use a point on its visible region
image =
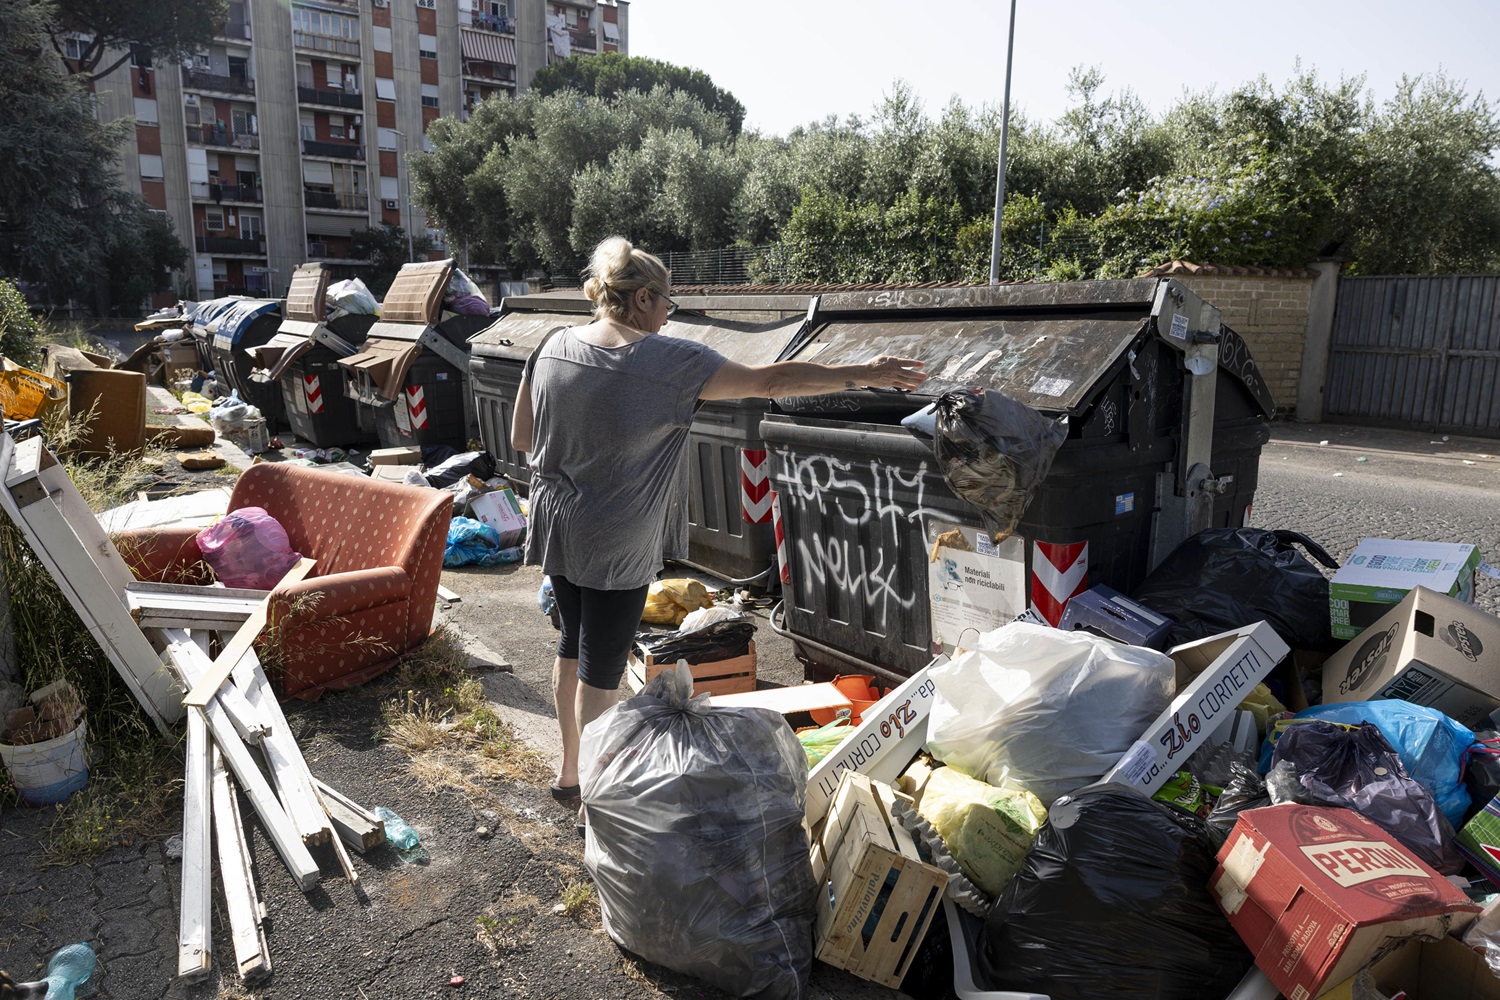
(864, 501)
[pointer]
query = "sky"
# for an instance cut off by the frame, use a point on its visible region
(791, 62)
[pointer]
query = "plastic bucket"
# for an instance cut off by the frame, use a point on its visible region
(48, 772)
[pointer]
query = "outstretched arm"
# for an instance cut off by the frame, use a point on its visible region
(804, 378)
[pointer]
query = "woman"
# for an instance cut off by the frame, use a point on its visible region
(603, 411)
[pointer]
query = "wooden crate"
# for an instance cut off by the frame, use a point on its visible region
(876, 897)
(731, 676)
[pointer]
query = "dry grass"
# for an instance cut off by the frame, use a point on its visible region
(507, 926)
(580, 901)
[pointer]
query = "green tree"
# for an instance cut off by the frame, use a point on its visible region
(59, 196)
(384, 246)
(612, 73)
(20, 333)
(141, 253)
(165, 29)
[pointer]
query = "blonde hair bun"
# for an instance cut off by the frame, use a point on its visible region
(616, 271)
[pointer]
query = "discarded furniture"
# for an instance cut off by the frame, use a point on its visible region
(116, 399)
(302, 363)
(379, 551)
(172, 353)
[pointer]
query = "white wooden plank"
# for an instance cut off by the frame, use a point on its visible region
(252, 953)
(338, 844)
(149, 588)
(247, 721)
(194, 933)
(448, 595)
(289, 770)
(204, 687)
(92, 597)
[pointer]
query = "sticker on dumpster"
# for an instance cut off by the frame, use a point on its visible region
(314, 393)
(1179, 327)
(972, 592)
(1489, 570)
(1124, 503)
(1048, 386)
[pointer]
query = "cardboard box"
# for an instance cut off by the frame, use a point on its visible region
(1479, 840)
(392, 473)
(731, 676)
(1429, 970)
(1381, 571)
(117, 399)
(1105, 611)
(1316, 893)
(1214, 676)
(1429, 650)
(869, 873)
(406, 455)
(891, 732)
(500, 510)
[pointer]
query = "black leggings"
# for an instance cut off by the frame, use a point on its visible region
(598, 629)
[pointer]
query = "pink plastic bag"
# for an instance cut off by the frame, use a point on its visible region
(247, 548)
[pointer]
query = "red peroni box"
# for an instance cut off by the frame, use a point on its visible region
(1315, 893)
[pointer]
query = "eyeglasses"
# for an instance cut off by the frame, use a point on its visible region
(671, 306)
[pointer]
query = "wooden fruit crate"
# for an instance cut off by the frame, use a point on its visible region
(731, 676)
(876, 896)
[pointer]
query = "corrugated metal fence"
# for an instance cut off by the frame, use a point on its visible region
(1418, 352)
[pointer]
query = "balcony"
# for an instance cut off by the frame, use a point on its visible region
(491, 22)
(320, 250)
(225, 192)
(342, 151)
(329, 98)
(339, 202)
(325, 43)
(234, 31)
(228, 244)
(213, 82)
(213, 135)
(583, 39)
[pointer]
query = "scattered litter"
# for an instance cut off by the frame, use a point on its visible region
(455, 980)
(1467, 462)
(173, 847)
(1361, 459)
(1336, 475)
(68, 970)
(198, 461)
(1322, 442)
(1445, 437)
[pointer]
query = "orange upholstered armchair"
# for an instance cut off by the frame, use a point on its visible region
(378, 548)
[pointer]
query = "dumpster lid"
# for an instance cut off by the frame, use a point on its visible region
(515, 335)
(745, 342)
(1049, 364)
(305, 297)
(272, 357)
(383, 363)
(416, 296)
(230, 321)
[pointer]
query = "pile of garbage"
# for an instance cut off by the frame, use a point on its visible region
(1202, 790)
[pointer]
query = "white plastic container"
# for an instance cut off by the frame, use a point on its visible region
(48, 772)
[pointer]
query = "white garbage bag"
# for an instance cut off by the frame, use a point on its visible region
(1046, 709)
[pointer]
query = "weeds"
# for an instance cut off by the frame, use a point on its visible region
(579, 899)
(508, 931)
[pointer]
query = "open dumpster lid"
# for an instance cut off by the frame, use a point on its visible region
(306, 295)
(226, 324)
(411, 308)
(382, 363)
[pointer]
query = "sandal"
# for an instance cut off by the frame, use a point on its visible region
(562, 793)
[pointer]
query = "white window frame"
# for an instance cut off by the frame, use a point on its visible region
(209, 215)
(336, 127)
(431, 95)
(385, 90)
(150, 166)
(146, 111)
(386, 140)
(423, 49)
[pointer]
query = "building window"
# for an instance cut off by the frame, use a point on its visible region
(429, 95)
(386, 139)
(427, 46)
(305, 75)
(213, 220)
(150, 166)
(499, 9)
(390, 189)
(140, 57)
(336, 126)
(381, 37)
(385, 90)
(308, 129)
(74, 46)
(145, 111)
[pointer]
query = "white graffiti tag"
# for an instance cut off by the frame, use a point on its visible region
(874, 501)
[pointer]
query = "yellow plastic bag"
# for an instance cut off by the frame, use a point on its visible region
(1262, 704)
(197, 402)
(669, 601)
(988, 830)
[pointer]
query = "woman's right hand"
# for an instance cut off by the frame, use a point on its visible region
(888, 372)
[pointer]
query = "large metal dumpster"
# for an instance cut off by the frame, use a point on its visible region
(1167, 416)
(231, 330)
(301, 363)
(410, 377)
(727, 475)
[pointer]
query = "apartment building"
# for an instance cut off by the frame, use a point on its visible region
(292, 129)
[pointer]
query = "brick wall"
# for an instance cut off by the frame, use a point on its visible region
(1271, 314)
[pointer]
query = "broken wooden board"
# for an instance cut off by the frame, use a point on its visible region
(194, 922)
(244, 639)
(247, 914)
(39, 497)
(789, 700)
(355, 825)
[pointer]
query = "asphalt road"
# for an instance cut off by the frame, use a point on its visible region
(410, 928)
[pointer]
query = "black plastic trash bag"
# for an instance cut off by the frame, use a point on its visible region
(994, 452)
(1227, 578)
(1358, 769)
(1246, 790)
(695, 838)
(721, 640)
(1113, 901)
(450, 470)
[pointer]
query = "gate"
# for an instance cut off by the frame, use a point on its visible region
(1417, 352)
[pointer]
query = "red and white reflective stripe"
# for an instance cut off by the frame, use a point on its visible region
(755, 486)
(1059, 572)
(314, 393)
(416, 407)
(1245, 521)
(786, 569)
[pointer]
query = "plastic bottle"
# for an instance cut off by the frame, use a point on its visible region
(544, 598)
(69, 969)
(397, 833)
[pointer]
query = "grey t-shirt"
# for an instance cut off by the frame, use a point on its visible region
(610, 430)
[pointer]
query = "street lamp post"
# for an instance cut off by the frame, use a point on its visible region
(403, 157)
(1010, 48)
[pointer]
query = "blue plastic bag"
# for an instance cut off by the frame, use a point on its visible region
(1433, 747)
(473, 543)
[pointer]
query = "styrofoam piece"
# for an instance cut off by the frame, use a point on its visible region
(964, 931)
